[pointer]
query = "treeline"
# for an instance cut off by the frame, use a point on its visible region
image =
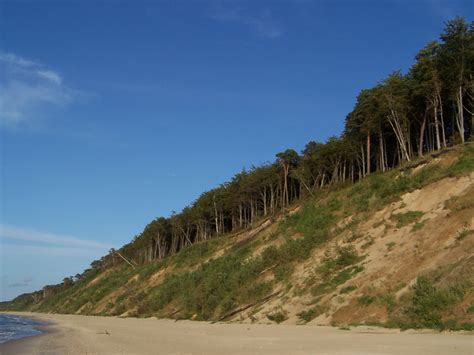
(402, 117)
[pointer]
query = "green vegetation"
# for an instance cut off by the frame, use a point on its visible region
(212, 290)
(277, 317)
(310, 314)
(459, 203)
(348, 289)
(418, 226)
(368, 243)
(427, 304)
(79, 296)
(390, 245)
(464, 164)
(344, 256)
(388, 300)
(312, 218)
(406, 218)
(335, 271)
(464, 233)
(400, 286)
(366, 300)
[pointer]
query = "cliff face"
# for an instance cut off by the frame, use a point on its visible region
(394, 249)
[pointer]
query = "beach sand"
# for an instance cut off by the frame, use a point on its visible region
(73, 334)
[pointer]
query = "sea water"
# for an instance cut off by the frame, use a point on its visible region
(16, 327)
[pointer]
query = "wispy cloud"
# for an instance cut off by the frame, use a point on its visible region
(47, 243)
(51, 76)
(27, 88)
(10, 58)
(262, 23)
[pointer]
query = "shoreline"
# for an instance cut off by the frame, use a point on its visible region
(24, 344)
(76, 334)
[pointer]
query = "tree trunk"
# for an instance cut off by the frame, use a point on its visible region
(438, 141)
(382, 156)
(441, 116)
(216, 216)
(460, 114)
(368, 152)
(400, 135)
(422, 134)
(363, 159)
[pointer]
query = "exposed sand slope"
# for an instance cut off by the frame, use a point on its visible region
(435, 245)
(73, 334)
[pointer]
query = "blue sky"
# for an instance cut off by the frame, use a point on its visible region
(115, 112)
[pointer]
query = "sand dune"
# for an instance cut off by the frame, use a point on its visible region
(72, 334)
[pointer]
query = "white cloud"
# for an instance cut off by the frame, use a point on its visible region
(27, 89)
(54, 241)
(263, 24)
(12, 59)
(51, 76)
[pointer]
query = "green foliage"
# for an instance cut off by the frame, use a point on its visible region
(148, 270)
(388, 300)
(428, 302)
(277, 317)
(366, 300)
(93, 293)
(406, 218)
(459, 203)
(283, 272)
(345, 256)
(310, 314)
(122, 297)
(196, 253)
(345, 275)
(335, 271)
(377, 190)
(313, 218)
(334, 204)
(418, 226)
(464, 233)
(400, 286)
(348, 289)
(213, 289)
(368, 243)
(464, 164)
(390, 245)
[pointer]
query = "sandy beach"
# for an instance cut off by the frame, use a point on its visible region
(72, 334)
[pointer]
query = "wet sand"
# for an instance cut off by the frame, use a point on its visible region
(72, 334)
